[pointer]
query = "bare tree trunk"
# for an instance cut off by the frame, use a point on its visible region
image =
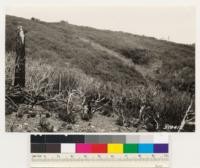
(140, 121)
(184, 122)
(19, 78)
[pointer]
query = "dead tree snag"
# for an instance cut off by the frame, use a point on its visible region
(19, 78)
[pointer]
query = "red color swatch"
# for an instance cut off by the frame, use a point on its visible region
(99, 148)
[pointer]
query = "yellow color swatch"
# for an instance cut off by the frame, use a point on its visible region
(115, 148)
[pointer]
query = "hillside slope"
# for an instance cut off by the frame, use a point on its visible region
(126, 69)
(62, 42)
(48, 43)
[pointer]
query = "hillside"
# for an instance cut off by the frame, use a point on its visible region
(113, 64)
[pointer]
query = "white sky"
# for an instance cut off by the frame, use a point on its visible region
(175, 22)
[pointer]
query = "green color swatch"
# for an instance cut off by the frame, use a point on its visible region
(130, 148)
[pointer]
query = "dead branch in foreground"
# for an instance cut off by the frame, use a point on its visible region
(185, 118)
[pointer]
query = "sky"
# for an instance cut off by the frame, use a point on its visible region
(174, 23)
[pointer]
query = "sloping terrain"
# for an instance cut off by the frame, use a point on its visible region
(119, 66)
(61, 44)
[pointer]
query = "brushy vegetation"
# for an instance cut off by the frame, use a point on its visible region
(70, 78)
(53, 88)
(138, 56)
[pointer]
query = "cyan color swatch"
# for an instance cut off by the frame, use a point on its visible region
(145, 148)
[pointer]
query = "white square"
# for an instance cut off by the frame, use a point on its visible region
(68, 148)
(161, 139)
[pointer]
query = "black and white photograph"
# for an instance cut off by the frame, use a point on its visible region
(100, 69)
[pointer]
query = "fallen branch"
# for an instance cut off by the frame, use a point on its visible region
(185, 116)
(13, 103)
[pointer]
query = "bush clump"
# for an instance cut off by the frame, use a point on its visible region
(138, 56)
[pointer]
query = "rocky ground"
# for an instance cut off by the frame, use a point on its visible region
(35, 121)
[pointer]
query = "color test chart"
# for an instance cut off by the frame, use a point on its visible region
(99, 151)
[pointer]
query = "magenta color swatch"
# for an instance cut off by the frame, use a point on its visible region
(83, 148)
